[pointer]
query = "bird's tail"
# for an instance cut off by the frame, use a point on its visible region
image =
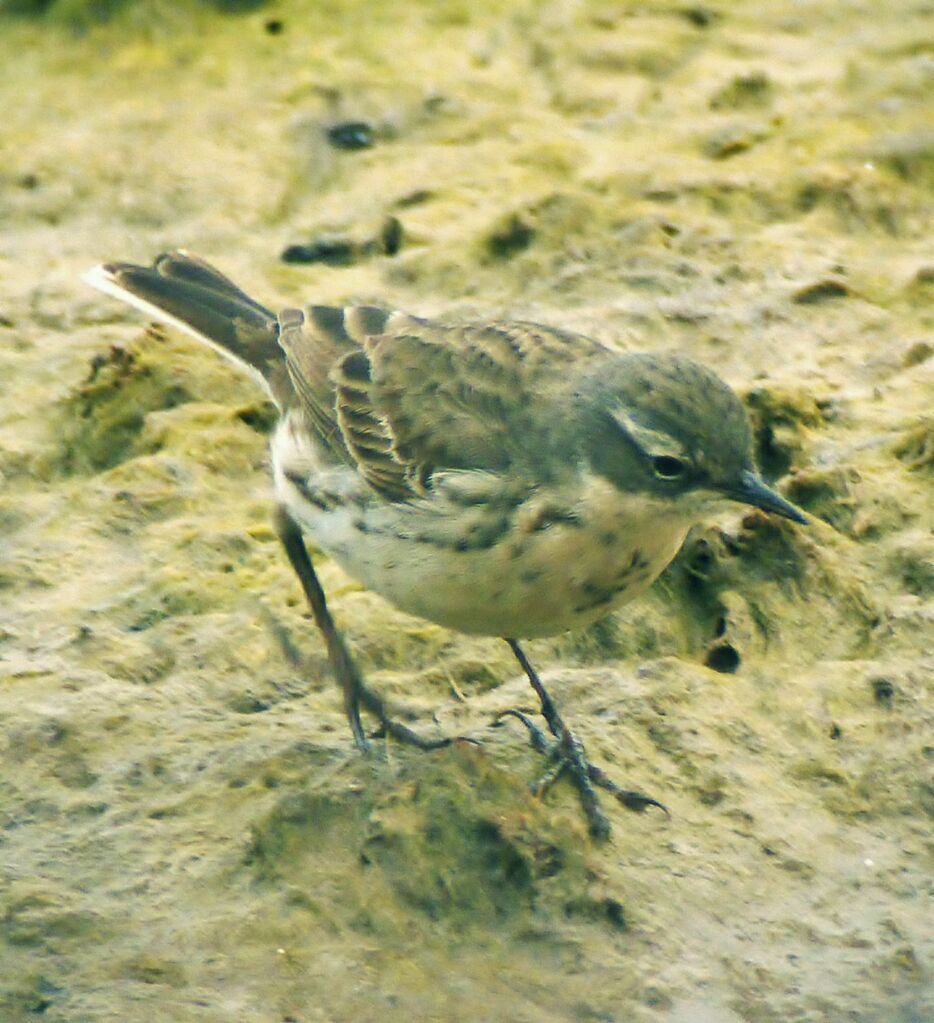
(190, 294)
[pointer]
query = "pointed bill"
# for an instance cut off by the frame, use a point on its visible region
(752, 490)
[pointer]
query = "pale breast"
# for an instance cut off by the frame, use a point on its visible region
(479, 556)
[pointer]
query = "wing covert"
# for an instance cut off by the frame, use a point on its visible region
(400, 397)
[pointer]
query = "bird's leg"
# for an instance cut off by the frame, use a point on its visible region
(567, 752)
(570, 751)
(356, 692)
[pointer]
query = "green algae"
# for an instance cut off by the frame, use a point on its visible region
(102, 420)
(452, 841)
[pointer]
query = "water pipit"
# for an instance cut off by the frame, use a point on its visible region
(503, 478)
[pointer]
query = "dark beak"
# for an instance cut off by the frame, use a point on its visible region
(752, 490)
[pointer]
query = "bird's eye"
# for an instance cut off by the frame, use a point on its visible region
(668, 468)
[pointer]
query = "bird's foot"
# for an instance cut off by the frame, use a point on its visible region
(566, 753)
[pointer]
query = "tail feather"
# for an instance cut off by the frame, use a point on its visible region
(183, 266)
(190, 294)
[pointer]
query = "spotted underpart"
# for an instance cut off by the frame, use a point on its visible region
(484, 557)
(323, 499)
(634, 575)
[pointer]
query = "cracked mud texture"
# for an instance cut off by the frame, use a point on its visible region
(186, 833)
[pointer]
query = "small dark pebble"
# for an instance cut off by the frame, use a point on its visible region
(615, 913)
(820, 291)
(391, 236)
(515, 236)
(332, 251)
(351, 135)
(723, 657)
(883, 691)
(338, 251)
(416, 198)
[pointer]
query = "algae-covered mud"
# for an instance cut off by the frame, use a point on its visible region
(187, 833)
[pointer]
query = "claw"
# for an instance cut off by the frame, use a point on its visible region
(536, 735)
(629, 798)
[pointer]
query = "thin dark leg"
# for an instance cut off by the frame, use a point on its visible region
(342, 664)
(356, 693)
(572, 752)
(549, 710)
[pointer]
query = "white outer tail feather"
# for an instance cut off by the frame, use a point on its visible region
(99, 277)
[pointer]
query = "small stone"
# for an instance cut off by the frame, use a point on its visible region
(332, 251)
(883, 691)
(513, 237)
(821, 291)
(351, 135)
(416, 197)
(391, 236)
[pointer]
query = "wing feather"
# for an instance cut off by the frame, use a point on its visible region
(400, 397)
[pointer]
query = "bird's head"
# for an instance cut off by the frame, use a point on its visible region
(668, 426)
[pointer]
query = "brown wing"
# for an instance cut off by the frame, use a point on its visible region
(469, 397)
(314, 340)
(403, 397)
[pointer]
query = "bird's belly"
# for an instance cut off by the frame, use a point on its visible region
(546, 587)
(516, 577)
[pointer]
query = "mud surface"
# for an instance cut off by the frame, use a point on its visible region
(187, 834)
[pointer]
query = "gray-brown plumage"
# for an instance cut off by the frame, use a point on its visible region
(502, 478)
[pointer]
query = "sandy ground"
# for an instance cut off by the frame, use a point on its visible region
(187, 834)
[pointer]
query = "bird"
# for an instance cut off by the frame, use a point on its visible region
(500, 478)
